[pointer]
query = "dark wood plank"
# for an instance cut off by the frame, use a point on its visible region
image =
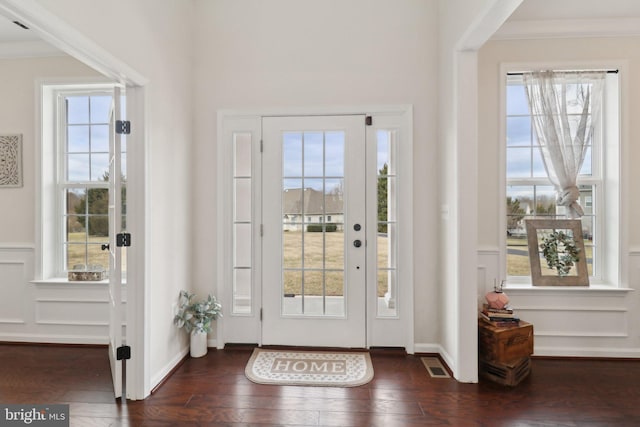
(213, 391)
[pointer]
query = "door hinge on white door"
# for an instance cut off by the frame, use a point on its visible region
(123, 240)
(123, 127)
(123, 353)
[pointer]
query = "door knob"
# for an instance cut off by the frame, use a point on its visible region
(357, 243)
(105, 247)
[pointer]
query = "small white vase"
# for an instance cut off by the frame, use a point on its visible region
(198, 344)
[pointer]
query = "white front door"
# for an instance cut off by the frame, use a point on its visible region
(314, 229)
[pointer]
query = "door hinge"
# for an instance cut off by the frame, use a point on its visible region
(123, 127)
(368, 120)
(123, 239)
(123, 353)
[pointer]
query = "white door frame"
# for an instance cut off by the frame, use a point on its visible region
(248, 121)
(58, 33)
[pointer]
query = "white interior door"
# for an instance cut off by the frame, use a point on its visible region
(314, 228)
(115, 253)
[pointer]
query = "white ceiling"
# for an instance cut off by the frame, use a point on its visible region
(539, 19)
(545, 10)
(534, 18)
(18, 42)
(10, 32)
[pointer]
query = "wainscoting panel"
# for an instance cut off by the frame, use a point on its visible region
(86, 312)
(51, 312)
(12, 301)
(580, 322)
(577, 322)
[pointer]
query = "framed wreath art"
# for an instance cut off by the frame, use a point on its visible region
(556, 252)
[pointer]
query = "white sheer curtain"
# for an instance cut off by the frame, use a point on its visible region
(565, 107)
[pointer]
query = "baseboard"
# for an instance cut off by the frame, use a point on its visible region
(53, 344)
(423, 348)
(159, 378)
(54, 339)
(595, 353)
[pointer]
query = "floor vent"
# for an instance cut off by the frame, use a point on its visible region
(434, 367)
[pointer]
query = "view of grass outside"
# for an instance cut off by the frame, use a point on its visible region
(87, 227)
(518, 258)
(313, 254)
(86, 250)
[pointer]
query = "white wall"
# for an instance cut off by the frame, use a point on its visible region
(154, 39)
(292, 53)
(17, 116)
(576, 322)
(464, 26)
(61, 313)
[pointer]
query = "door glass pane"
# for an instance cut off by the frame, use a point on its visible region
(292, 155)
(242, 224)
(242, 240)
(312, 223)
(242, 290)
(386, 241)
(242, 211)
(292, 248)
(334, 244)
(242, 154)
(313, 154)
(314, 292)
(314, 249)
(334, 154)
(292, 296)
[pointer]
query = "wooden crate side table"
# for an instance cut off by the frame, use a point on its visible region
(504, 353)
(510, 374)
(504, 345)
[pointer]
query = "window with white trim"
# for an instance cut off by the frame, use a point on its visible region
(75, 178)
(530, 194)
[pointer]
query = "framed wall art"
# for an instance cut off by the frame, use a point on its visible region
(10, 161)
(556, 252)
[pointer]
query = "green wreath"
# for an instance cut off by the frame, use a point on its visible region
(560, 252)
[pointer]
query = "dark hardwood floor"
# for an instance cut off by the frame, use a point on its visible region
(213, 391)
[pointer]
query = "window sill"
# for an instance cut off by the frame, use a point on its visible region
(65, 281)
(592, 288)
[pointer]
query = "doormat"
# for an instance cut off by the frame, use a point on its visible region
(309, 368)
(434, 367)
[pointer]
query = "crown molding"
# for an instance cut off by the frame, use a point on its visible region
(520, 30)
(28, 49)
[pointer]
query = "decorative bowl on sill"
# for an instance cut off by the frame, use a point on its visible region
(87, 273)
